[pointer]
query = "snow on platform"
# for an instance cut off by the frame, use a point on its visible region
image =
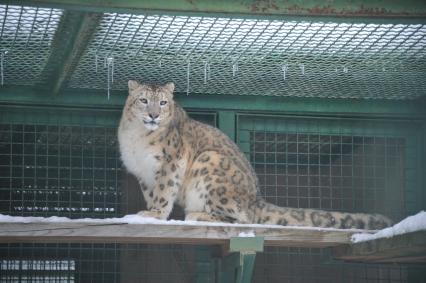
(138, 229)
(405, 242)
(410, 224)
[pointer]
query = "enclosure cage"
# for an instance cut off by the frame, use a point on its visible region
(328, 103)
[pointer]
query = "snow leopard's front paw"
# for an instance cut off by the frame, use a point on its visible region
(152, 213)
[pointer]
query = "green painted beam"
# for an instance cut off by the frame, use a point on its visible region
(203, 264)
(227, 123)
(43, 115)
(422, 161)
(237, 267)
(62, 115)
(277, 8)
(246, 244)
(247, 267)
(70, 41)
(289, 105)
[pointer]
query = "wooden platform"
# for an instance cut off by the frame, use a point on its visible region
(406, 248)
(84, 232)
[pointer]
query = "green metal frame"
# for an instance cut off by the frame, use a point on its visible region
(290, 105)
(238, 266)
(75, 107)
(248, 8)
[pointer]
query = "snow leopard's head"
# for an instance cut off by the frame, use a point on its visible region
(152, 105)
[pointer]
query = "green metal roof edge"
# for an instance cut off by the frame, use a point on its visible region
(21, 95)
(396, 11)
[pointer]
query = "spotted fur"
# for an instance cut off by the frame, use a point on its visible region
(179, 160)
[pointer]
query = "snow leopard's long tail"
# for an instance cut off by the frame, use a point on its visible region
(267, 213)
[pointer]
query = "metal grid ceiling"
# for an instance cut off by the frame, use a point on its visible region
(25, 39)
(249, 57)
(211, 55)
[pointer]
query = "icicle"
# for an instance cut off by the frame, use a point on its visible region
(234, 69)
(302, 68)
(159, 63)
(96, 63)
(188, 73)
(110, 73)
(3, 55)
(345, 69)
(206, 72)
(284, 68)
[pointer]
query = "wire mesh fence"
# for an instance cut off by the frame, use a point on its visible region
(97, 263)
(316, 265)
(334, 165)
(59, 170)
(356, 166)
(330, 172)
(74, 171)
(56, 169)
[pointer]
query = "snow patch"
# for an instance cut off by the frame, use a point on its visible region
(410, 224)
(249, 234)
(138, 219)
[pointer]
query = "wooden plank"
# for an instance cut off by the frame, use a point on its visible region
(410, 247)
(83, 232)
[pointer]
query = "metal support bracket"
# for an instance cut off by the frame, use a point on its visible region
(227, 123)
(237, 267)
(69, 43)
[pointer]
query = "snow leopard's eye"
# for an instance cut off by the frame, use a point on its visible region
(163, 102)
(143, 100)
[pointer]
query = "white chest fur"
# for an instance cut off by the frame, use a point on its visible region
(138, 156)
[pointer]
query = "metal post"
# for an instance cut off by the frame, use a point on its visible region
(237, 267)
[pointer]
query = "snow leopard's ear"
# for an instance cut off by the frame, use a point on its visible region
(133, 85)
(169, 87)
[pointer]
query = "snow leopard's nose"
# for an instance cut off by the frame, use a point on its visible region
(153, 116)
